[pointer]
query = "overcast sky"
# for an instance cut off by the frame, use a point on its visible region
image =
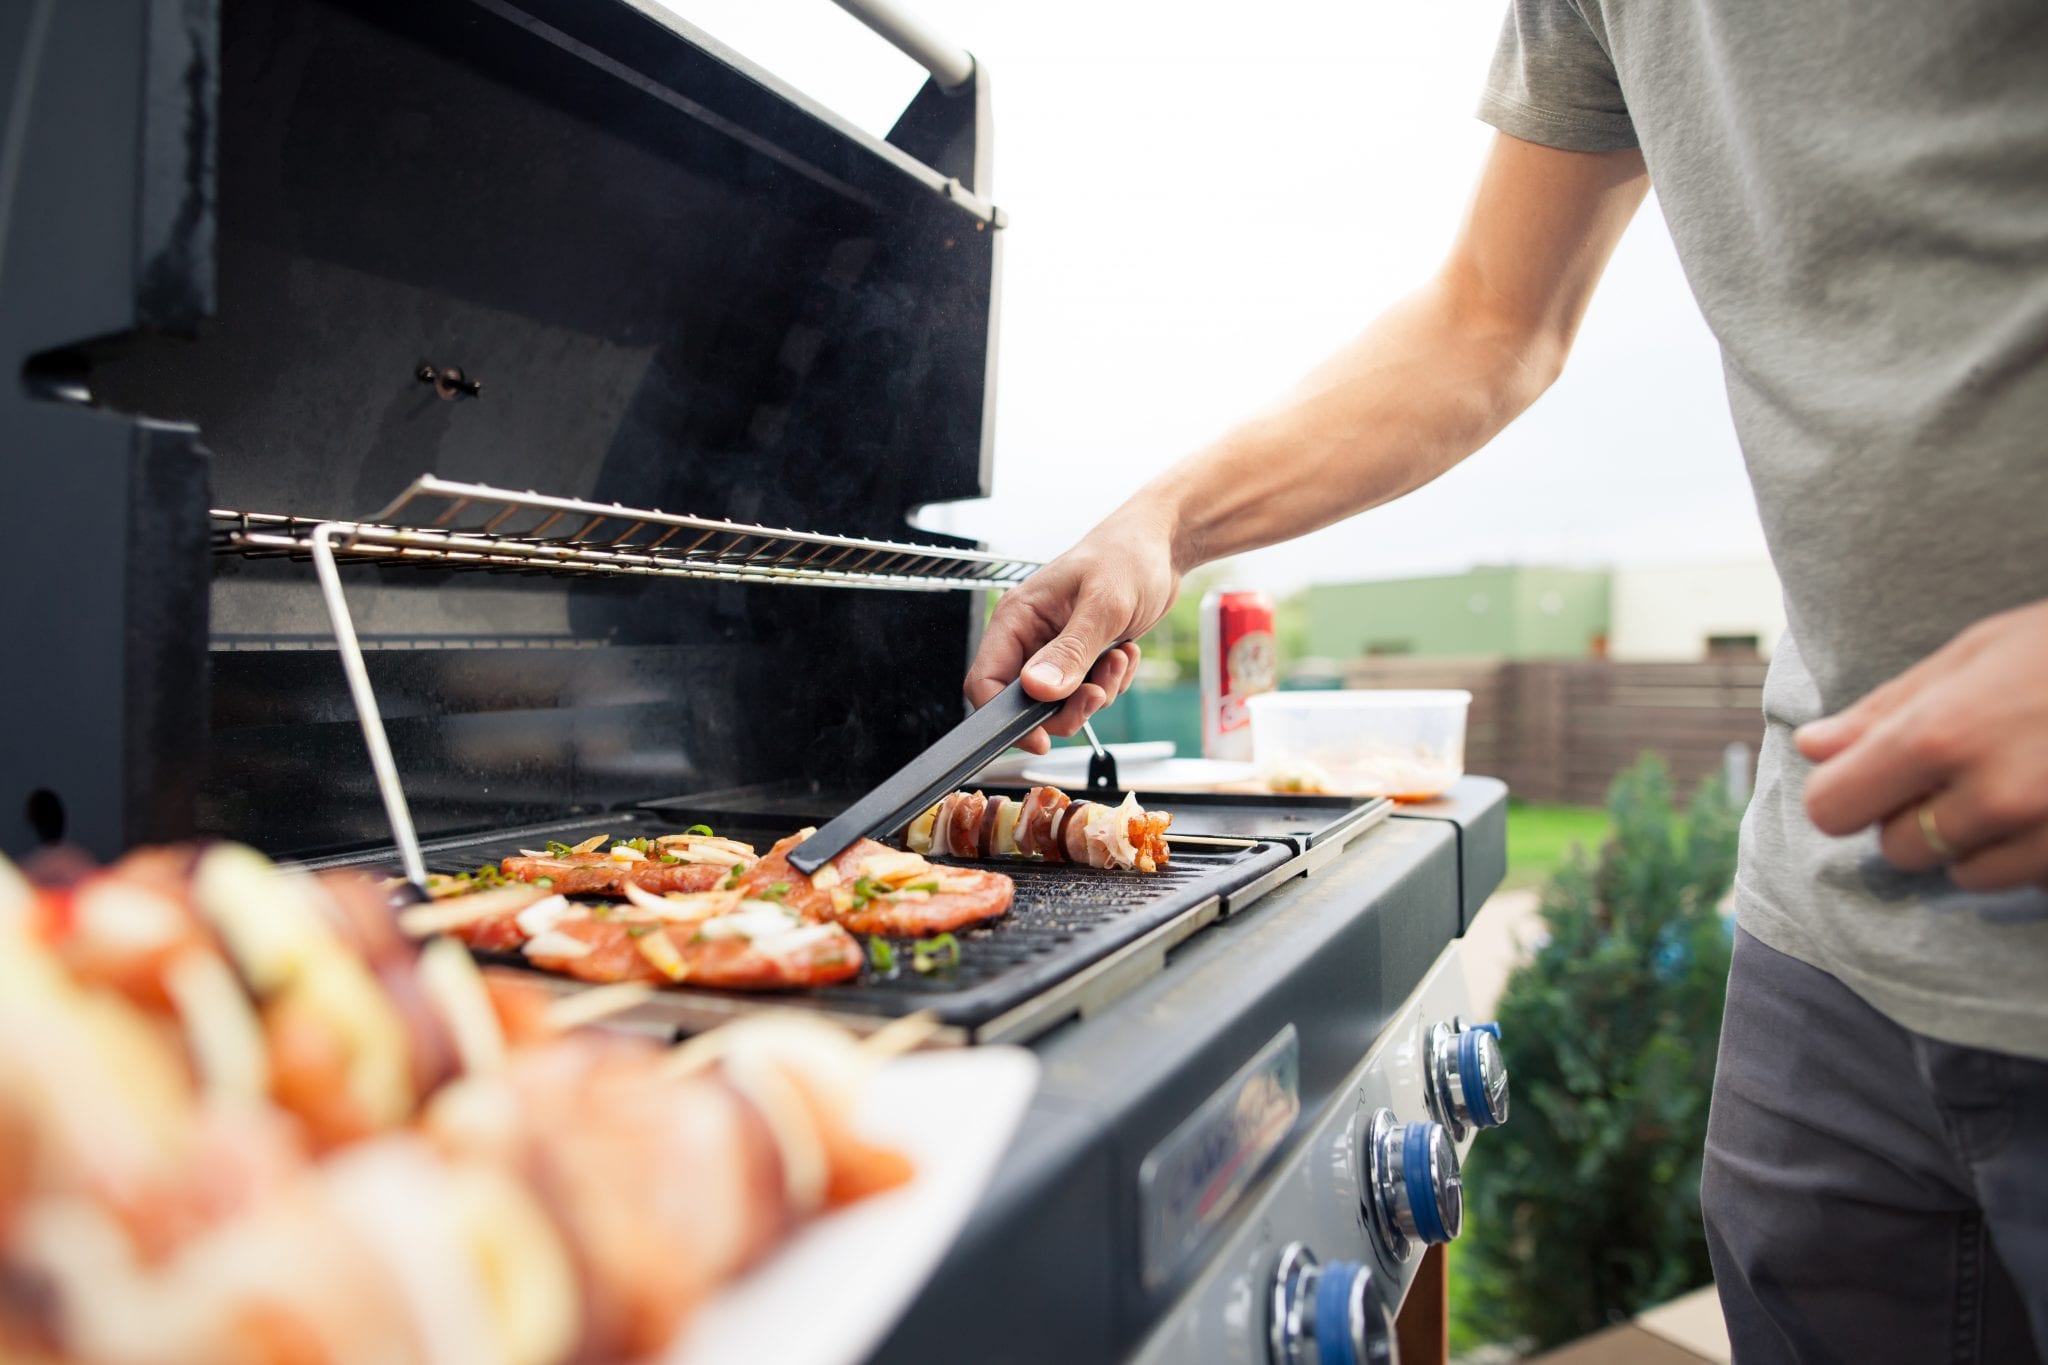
(1207, 198)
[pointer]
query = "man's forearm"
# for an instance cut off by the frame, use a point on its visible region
(1427, 384)
(1424, 387)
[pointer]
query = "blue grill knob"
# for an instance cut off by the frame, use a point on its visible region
(1413, 1192)
(1327, 1314)
(1467, 1077)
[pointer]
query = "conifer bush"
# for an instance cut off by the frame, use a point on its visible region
(1584, 1208)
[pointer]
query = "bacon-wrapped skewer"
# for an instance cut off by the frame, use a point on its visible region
(1046, 824)
(567, 1197)
(277, 985)
(623, 1136)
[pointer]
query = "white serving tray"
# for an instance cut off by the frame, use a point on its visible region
(832, 1293)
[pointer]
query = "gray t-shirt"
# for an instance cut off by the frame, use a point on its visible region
(1859, 194)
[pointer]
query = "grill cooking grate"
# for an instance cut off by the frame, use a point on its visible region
(1057, 907)
(1072, 935)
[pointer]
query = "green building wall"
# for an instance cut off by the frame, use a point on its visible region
(1512, 613)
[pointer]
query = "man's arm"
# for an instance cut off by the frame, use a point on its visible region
(1431, 381)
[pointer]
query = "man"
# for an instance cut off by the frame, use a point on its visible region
(1859, 194)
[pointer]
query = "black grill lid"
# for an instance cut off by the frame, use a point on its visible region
(678, 283)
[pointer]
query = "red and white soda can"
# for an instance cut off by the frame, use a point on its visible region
(1238, 662)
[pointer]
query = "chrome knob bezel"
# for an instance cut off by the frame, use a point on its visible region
(1446, 1103)
(1292, 1320)
(1385, 1192)
(1286, 1302)
(1444, 1080)
(1382, 1187)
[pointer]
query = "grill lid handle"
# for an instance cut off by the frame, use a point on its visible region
(951, 66)
(1007, 718)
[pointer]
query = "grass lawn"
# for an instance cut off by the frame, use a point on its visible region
(1539, 837)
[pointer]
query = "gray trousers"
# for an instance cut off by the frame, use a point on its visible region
(1871, 1195)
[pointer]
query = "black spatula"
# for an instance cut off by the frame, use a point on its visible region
(1010, 716)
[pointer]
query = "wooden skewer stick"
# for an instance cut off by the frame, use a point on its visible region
(893, 1039)
(595, 1004)
(899, 1036)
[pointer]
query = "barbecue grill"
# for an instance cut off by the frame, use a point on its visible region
(367, 351)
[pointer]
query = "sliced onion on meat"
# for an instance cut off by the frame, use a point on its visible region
(661, 954)
(682, 907)
(555, 943)
(221, 1027)
(444, 916)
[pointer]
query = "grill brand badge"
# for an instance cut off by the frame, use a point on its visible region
(1191, 1181)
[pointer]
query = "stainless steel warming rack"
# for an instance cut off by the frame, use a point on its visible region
(440, 522)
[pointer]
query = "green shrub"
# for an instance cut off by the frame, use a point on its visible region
(1584, 1209)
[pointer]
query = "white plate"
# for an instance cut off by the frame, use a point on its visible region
(831, 1294)
(1069, 763)
(1164, 774)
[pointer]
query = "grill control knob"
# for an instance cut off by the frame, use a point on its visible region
(1327, 1314)
(1468, 1077)
(1413, 1193)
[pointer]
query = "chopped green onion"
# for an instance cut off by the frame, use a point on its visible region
(642, 930)
(669, 857)
(734, 880)
(703, 831)
(440, 884)
(545, 883)
(557, 849)
(866, 889)
(881, 954)
(921, 886)
(931, 954)
(600, 912)
(450, 884)
(775, 892)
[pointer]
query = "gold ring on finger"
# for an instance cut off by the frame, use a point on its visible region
(1941, 847)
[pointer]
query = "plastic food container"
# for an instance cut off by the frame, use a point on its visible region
(1403, 744)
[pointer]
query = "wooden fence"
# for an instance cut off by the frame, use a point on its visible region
(1559, 730)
